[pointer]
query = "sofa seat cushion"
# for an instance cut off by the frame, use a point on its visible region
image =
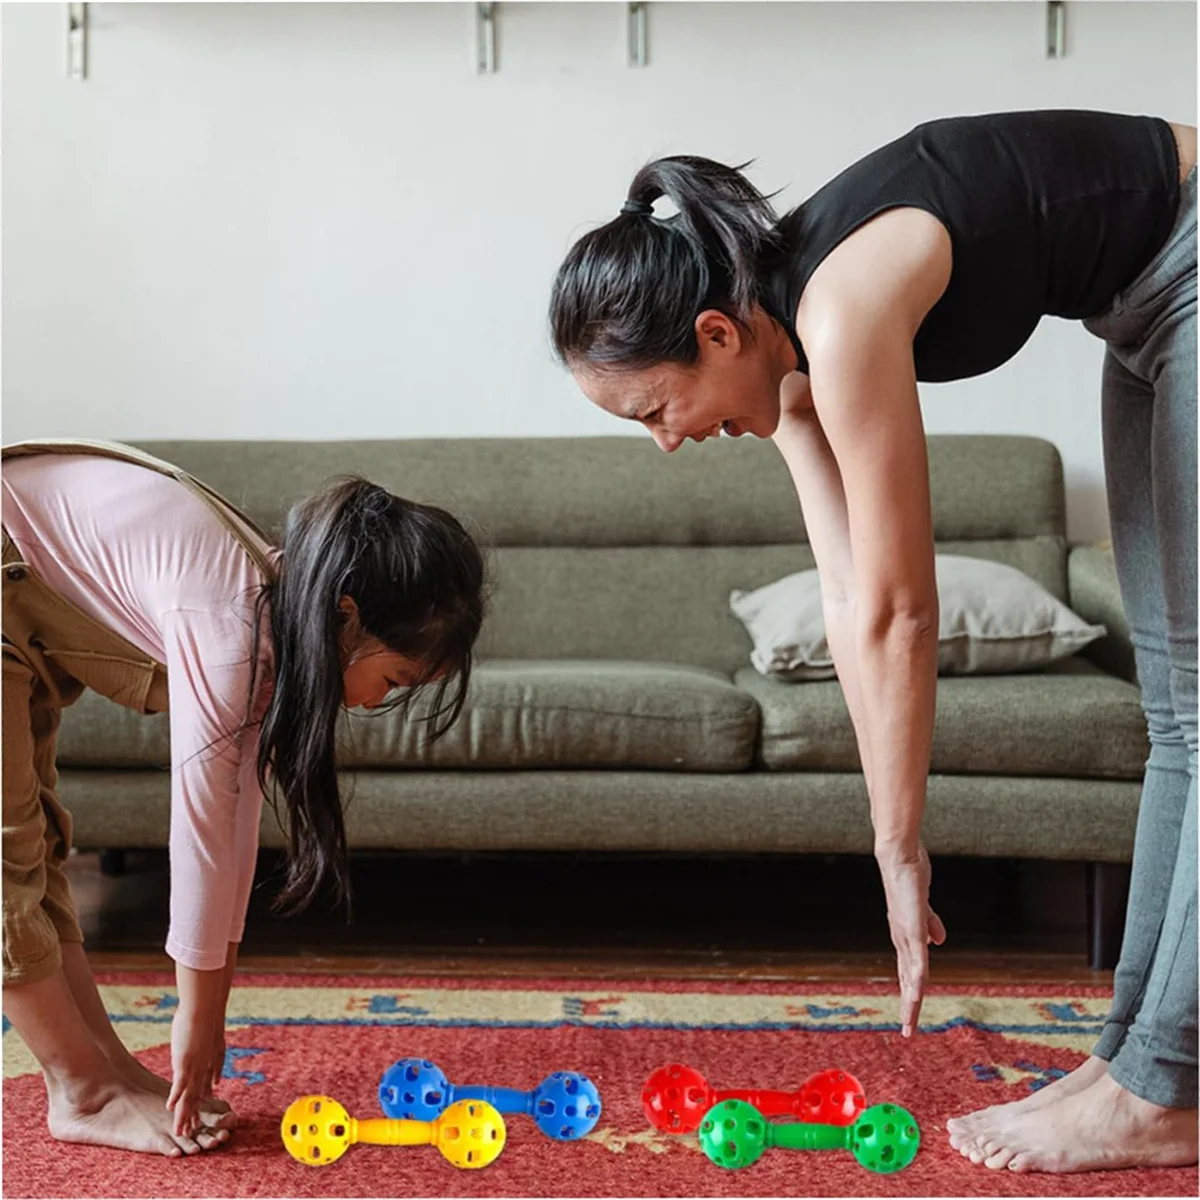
(1072, 719)
(519, 715)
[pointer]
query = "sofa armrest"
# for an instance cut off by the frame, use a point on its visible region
(1096, 596)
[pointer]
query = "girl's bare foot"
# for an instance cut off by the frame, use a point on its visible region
(1103, 1127)
(214, 1112)
(118, 1114)
(970, 1133)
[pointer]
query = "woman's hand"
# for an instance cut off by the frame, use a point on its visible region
(913, 925)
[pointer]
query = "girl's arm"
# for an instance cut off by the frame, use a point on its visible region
(860, 314)
(214, 835)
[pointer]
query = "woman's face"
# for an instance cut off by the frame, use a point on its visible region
(732, 387)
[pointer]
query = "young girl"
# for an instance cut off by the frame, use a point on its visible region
(124, 574)
(934, 258)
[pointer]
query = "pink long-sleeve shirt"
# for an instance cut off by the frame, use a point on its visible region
(140, 554)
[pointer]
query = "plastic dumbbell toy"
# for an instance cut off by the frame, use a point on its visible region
(676, 1099)
(317, 1130)
(885, 1137)
(565, 1105)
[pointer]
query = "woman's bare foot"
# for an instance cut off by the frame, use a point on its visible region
(970, 1133)
(116, 1113)
(1103, 1127)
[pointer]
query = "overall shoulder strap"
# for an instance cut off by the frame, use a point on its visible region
(244, 531)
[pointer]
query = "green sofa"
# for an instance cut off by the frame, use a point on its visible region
(614, 707)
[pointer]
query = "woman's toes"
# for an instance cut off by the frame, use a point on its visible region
(210, 1141)
(1018, 1162)
(186, 1144)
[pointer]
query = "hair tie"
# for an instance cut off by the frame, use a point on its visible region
(637, 208)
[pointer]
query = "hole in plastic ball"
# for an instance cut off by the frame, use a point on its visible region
(571, 1086)
(316, 1152)
(565, 1132)
(889, 1129)
(866, 1131)
(338, 1131)
(910, 1131)
(707, 1126)
(569, 1110)
(411, 1073)
(433, 1097)
(887, 1154)
(546, 1107)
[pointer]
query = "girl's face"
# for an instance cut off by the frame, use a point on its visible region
(732, 388)
(371, 672)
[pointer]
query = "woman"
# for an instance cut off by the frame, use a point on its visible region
(124, 574)
(934, 258)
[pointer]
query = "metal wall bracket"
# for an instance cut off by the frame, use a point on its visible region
(1056, 29)
(485, 37)
(635, 18)
(77, 39)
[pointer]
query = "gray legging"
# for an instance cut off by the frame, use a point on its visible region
(1149, 407)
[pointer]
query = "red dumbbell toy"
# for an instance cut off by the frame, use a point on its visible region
(676, 1099)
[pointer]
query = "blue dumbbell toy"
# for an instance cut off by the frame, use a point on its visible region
(565, 1105)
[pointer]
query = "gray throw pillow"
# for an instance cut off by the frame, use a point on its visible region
(994, 620)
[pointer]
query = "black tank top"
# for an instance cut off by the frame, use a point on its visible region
(1049, 213)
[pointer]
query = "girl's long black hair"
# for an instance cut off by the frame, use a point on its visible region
(628, 294)
(417, 578)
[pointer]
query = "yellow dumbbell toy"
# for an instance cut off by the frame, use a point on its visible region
(317, 1130)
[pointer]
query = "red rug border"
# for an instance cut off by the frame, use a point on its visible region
(160, 978)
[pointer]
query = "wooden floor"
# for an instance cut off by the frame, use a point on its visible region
(809, 918)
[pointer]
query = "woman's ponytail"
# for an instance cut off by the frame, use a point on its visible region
(628, 294)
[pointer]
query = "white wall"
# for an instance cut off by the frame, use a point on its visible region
(315, 221)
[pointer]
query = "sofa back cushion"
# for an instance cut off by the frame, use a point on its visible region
(607, 548)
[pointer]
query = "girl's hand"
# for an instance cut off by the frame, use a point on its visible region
(913, 925)
(218, 1057)
(197, 1035)
(193, 1040)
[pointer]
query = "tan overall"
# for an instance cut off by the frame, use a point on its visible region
(52, 651)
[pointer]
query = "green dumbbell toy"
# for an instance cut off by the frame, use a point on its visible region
(884, 1138)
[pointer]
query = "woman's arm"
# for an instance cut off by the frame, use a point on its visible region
(858, 320)
(818, 483)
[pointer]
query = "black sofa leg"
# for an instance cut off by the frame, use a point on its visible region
(1107, 895)
(112, 862)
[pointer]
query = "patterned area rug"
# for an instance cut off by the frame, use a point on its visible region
(293, 1034)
